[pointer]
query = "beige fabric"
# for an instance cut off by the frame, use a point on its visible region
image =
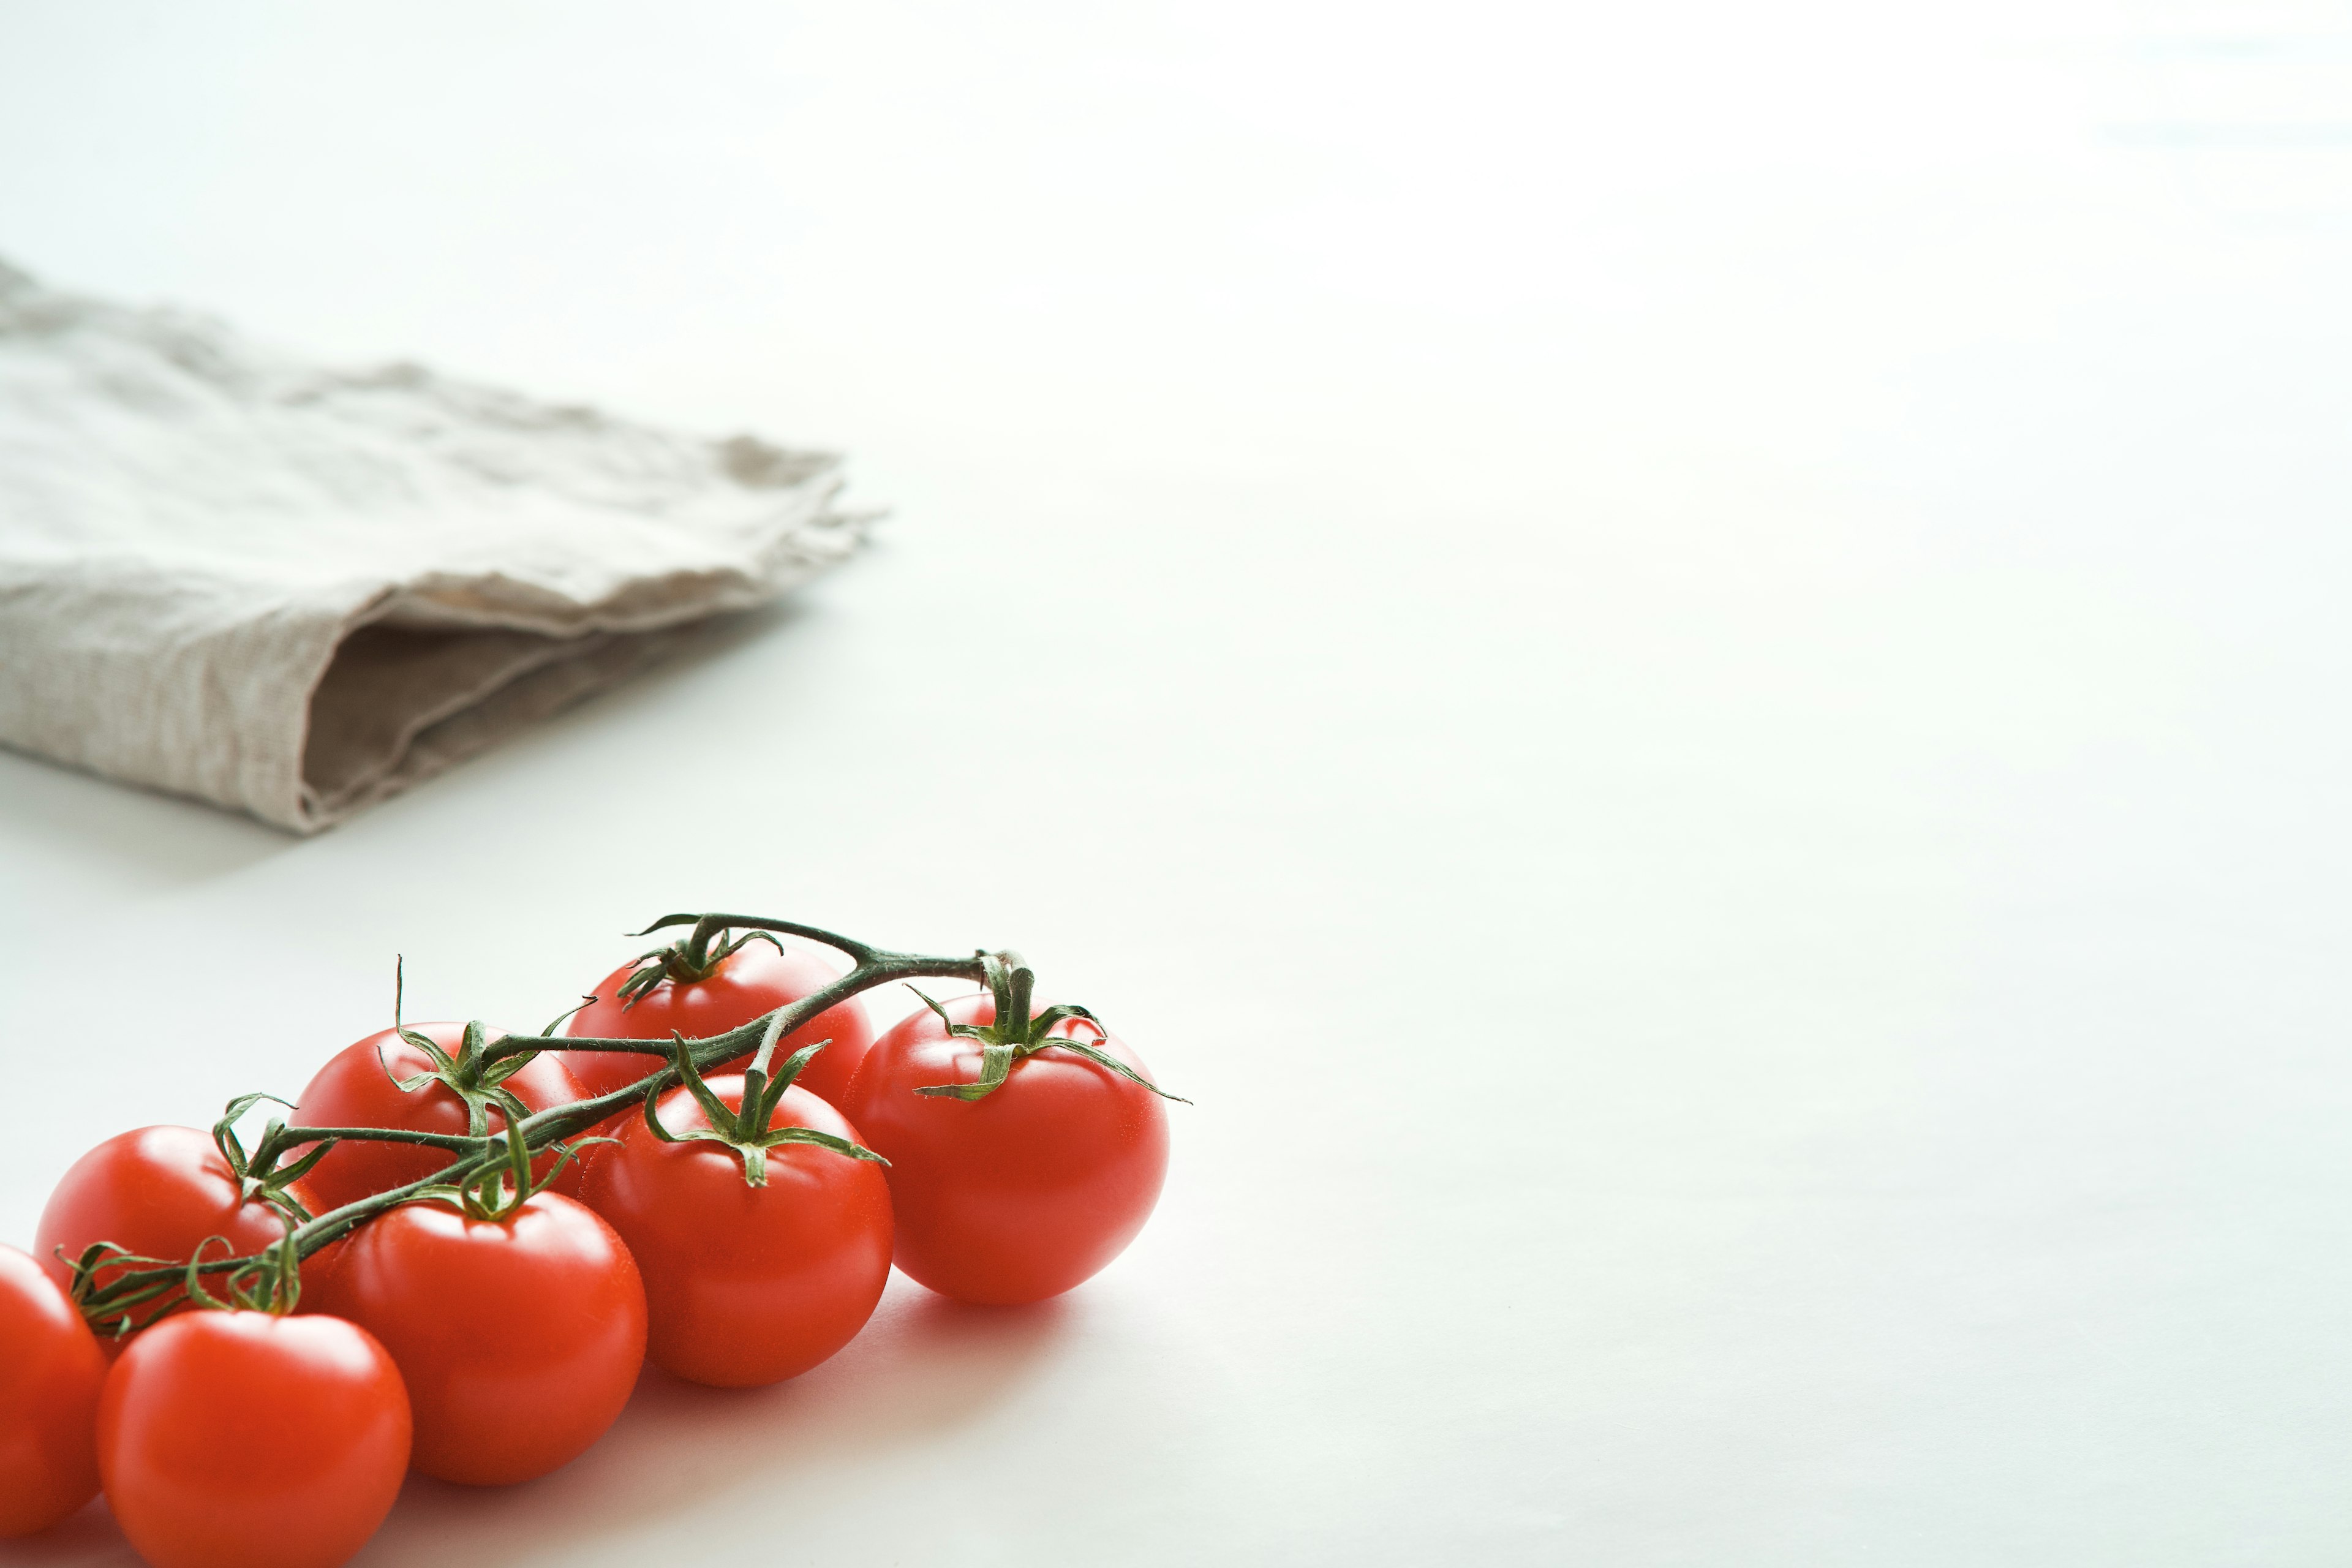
(294, 591)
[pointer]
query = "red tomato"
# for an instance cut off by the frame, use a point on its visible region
(754, 979)
(356, 1088)
(747, 1284)
(243, 1440)
(159, 1191)
(520, 1339)
(1022, 1195)
(50, 1371)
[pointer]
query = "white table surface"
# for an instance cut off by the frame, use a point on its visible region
(1689, 669)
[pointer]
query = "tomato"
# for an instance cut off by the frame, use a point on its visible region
(520, 1338)
(50, 1372)
(754, 979)
(747, 1284)
(234, 1439)
(1026, 1192)
(159, 1191)
(357, 1088)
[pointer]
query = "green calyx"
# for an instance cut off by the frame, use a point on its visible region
(268, 1281)
(118, 1319)
(747, 1131)
(271, 1282)
(259, 1176)
(157, 1278)
(468, 1076)
(471, 1074)
(692, 958)
(495, 1189)
(1012, 1035)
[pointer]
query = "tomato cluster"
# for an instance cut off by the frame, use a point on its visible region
(458, 1252)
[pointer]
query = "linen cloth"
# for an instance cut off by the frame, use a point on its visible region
(294, 591)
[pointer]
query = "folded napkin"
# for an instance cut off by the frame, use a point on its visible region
(294, 591)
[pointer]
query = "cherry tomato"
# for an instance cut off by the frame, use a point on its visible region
(357, 1088)
(50, 1371)
(520, 1339)
(243, 1440)
(1023, 1194)
(159, 1191)
(754, 979)
(747, 1284)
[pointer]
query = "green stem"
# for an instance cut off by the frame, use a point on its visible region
(694, 953)
(293, 1135)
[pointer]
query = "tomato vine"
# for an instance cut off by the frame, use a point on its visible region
(486, 1157)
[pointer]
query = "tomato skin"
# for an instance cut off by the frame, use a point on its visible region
(50, 1372)
(520, 1339)
(754, 979)
(748, 1285)
(356, 1089)
(159, 1191)
(243, 1440)
(1026, 1192)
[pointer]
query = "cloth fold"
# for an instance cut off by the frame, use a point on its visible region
(293, 590)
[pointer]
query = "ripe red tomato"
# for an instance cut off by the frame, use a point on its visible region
(357, 1088)
(243, 1440)
(159, 1191)
(754, 979)
(1022, 1195)
(747, 1284)
(520, 1339)
(50, 1371)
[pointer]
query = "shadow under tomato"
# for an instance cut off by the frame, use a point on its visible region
(88, 1538)
(924, 1367)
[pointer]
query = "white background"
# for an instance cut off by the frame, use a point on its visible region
(1686, 663)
